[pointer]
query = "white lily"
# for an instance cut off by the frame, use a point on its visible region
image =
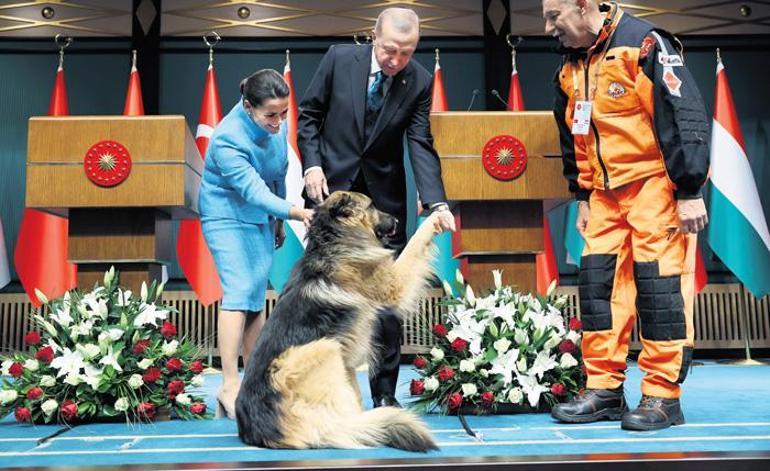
(467, 366)
(169, 348)
(459, 277)
(7, 396)
(93, 376)
(121, 405)
(502, 345)
(532, 388)
(143, 292)
(124, 297)
(543, 362)
(68, 362)
(144, 363)
(111, 359)
(505, 365)
(470, 298)
(149, 314)
(497, 275)
(448, 289)
(31, 364)
(183, 399)
(5, 367)
(89, 350)
(431, 383)
(46, 381)
(437, 353)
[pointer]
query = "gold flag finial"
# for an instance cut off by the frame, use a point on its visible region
(719, 56)
(288, 57)
(211, 39)
(63, 42)
(513, 47)
(133, 58)
(437, 54)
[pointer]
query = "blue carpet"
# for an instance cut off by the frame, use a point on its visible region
(726, 408)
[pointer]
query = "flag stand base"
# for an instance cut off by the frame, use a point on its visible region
(744, 362)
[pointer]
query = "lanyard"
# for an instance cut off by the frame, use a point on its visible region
(599, 63)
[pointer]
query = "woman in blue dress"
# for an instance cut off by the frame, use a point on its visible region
(242, 209)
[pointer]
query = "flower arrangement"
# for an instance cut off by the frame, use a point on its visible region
(504, 349)
(103, 355)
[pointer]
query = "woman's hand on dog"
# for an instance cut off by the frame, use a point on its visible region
(315, 185)
(301, 214)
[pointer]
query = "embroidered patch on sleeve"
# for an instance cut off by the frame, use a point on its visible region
(673, 83)
(647, 45)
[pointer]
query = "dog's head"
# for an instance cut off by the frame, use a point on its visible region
(356, 210)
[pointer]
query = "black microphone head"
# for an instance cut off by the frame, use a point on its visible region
(476, 91)
(495, 93)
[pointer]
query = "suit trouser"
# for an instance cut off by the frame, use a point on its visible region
(637, 261)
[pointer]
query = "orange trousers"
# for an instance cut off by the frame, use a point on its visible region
(636, 261)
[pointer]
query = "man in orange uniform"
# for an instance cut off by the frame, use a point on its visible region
(634, 137)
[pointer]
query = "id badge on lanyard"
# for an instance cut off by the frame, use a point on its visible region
(581, 117)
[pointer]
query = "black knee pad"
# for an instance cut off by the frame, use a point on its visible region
(686, 363)
(596, 279)
(659, 303)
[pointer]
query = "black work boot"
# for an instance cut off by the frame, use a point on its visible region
(591, 406)
(653, 413)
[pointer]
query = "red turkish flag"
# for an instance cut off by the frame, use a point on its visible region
(41, 247)
(191, 250)
(134, 105)
(547, 268)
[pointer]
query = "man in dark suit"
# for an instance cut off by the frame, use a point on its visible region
(361, 103)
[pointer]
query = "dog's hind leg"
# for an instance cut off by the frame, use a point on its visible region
(353, 381)
(316, 391)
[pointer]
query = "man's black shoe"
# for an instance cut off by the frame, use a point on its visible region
(653, 413)
(386, 401)
(591, 406)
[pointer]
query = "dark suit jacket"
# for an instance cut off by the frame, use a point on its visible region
(330, 132)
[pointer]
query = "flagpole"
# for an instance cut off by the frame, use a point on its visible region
(747, 361)
(211, 39)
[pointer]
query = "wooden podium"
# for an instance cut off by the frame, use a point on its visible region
(126, 224)
(501, 222)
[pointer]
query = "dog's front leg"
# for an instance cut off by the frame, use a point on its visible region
(412, 267)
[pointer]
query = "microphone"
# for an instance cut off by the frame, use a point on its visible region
(496, 94)
(473, 98)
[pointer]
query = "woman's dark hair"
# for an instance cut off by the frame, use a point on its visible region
(263, 85)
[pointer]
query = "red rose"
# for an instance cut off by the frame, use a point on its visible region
(34, 393)
(69, 410)
(459, 345)
(16, 370)
(174, 364)
(420, 362)
(575, 324)
(198, 408)
(488, 398)
(141, 346)
(32, 338)
(440, 330)
(168, 329)
(176, 387)
(558, 389)
(446, 373)
(455, 401)
(22, 414)
(417, 387)
(45, 354)
(567, 346)
(151, 375)
(196, 367)
(146, 410)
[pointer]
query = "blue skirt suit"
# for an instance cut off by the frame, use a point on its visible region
(242, 194)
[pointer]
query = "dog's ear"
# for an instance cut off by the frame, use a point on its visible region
(343, 206)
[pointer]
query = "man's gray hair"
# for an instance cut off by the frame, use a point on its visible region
(403, 20)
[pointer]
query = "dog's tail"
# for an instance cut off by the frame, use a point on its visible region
(383, 426)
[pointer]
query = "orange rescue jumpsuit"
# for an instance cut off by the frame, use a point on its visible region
(647, 147)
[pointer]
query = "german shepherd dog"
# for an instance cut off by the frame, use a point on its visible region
(299, 389)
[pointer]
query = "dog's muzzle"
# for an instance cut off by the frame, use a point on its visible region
(387, 226)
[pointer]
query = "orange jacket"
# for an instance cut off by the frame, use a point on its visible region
(647, 117)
